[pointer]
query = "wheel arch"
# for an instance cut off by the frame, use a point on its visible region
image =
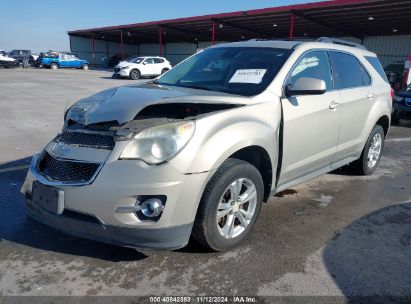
(259, 158)
(384, 122)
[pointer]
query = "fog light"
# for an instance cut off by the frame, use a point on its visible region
(152, 207)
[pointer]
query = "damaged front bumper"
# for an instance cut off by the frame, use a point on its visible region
(91, 208)
(119, 72)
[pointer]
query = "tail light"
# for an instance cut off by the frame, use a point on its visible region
(392, 93)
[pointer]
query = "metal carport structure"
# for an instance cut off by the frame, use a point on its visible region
(341, 18)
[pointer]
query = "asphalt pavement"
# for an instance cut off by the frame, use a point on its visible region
(336, 237)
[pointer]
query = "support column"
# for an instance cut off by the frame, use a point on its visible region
(213, 33)
(160, 40)
(292, 27)
(93, 47)
(121, 45)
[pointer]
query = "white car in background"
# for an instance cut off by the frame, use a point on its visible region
(141, 66)
(7, 61)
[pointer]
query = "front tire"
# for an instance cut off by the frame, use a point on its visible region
(54, 66)
(229, 206)
(371, 155)
(134, 74)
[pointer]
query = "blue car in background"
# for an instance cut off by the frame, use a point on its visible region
(56, 60)
(402, 105)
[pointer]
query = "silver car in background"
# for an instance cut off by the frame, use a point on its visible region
(196, 151)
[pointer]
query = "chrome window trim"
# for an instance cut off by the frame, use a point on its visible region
(331, 68)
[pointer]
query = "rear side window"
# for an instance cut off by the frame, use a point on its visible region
(347, 70)
(158, 60)
(376, 64)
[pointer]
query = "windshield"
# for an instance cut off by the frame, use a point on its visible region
(243, 71)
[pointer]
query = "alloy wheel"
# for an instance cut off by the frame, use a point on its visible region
(236, 208)
(374, 151)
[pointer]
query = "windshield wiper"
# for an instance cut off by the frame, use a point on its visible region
(198, 87)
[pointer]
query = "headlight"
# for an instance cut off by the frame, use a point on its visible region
(124, 67)
(158, 144)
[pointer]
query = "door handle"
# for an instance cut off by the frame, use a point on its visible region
(370, 95)
(334, 105)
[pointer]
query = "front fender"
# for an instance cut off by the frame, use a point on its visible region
(219, 135)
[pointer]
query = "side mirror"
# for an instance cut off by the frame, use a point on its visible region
(306, 86)
(144, 62)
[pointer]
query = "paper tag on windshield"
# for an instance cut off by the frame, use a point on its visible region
(248, 76)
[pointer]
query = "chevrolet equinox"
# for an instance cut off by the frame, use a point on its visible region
(196, 151)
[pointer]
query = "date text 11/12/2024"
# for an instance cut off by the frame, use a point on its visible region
(203, 299)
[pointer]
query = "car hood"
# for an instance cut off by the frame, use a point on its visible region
(125, 63)
(6, 58)
(122, 104)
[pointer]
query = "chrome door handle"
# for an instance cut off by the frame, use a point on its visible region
(334, 105)
(370, 95)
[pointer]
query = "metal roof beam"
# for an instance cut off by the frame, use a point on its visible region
(325, 24)
(241, 27)
(140, 35)
(185, 31)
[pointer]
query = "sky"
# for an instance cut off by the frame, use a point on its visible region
(43, 25)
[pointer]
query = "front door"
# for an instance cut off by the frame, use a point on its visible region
(74, 62)
(311, 122)
(64, 61)
(147, 67)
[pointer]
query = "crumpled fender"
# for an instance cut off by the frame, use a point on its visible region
(220, 135)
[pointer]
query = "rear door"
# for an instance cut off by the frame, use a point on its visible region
(311, 122)
(353, 82)
(158, 65)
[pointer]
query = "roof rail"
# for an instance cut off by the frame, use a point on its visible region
(341, 42)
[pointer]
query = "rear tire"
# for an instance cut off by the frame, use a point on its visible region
(54, 66)
(229, 206)
(164, 70)
(371, 155)
(84, 67)
(134, 74)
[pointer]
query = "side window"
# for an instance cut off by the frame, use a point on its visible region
(347, 70)
(366, 78)
(313, 65)
(149, 61)
(158, 60)
(377, 66)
